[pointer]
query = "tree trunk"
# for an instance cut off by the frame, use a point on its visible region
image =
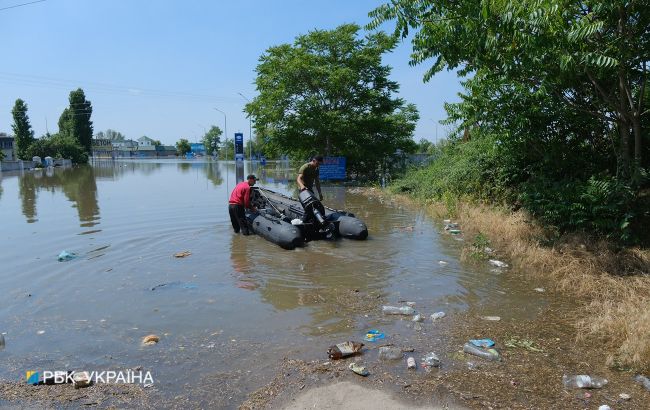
(638, 147)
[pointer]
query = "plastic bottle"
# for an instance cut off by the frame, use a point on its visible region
(390, 353)
(430, 360)
(583, 381)
(490, 354)
(393, 310)
(344, 349)
(643, 380)
(438, 315)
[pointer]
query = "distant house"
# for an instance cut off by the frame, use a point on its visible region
(7, 146)
(145, 142)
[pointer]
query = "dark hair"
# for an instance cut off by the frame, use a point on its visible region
(251, 176)
(318, 158)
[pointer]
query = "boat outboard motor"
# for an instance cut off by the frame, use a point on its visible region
(315, 211)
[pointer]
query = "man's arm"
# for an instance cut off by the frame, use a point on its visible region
(247, 200)
(300, 182)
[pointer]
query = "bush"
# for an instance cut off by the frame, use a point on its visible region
(601, 205)
(58, 146)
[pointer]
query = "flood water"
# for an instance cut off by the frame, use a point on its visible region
(233, 308)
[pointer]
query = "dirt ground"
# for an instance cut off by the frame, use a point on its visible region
(524, 379)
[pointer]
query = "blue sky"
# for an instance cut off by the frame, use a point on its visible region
(159, 68)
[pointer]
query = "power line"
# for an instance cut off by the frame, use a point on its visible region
(20, 5)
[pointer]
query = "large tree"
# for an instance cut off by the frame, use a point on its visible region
(575, 64)
(75, 120)
(211, 140)
(183, 146)
(330, 93)
(23, 133)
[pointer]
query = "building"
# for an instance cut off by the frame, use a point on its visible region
(145, 142)
(7, 146)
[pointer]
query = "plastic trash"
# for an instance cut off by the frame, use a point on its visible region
(417, 318)
(390, 353)
(624, 396)
(373, 335)
(540, 290)
(358, 369)
(492, 318)
(393, 310)
(604, 407)
(489, 354)
(455, 231)
(643, 380)
(66, 256)
(437, 315)
(410, 363)
(583, 381)
(296, 221)
(482, 342)
(451, 226)
(81, 379)
(344, 349)
(498, 264)
(182, 254)
(430, 360)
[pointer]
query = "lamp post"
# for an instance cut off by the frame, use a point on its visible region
(225, 126)
(250, 135)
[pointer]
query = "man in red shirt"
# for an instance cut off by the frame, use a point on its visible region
(240, 199)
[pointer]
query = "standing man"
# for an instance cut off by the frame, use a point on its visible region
(309, 174)
(240, 200)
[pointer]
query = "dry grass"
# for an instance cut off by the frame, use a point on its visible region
(614, 284)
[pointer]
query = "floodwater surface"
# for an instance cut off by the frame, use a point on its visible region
(233, 308)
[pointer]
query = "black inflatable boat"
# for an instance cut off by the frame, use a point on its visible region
(290, 222)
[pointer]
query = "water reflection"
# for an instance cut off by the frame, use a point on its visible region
(78, 184)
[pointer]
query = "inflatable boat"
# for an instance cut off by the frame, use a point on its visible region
(291, 222)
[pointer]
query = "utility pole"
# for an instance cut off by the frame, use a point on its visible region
(225, 126)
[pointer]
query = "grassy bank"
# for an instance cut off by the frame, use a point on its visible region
(614, 283)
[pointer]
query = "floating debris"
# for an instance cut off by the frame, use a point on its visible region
(492, 318)
(66, 256)
(150, 340)
(360, 370)
(498, 264)
(182, 254)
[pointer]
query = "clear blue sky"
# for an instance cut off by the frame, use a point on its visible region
(158, 68)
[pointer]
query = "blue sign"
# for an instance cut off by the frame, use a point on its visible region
(239, 146)
(332, 168)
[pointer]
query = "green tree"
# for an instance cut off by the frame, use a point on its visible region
(329, 93)
(58, 146)
(211, 140)
(227, 151)
(183, 146)
(75, 120)
(23, 133)
(110, 134)
(157, 143)
(587, 59)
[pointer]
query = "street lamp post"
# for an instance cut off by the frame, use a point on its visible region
(250, 135)
(225, 126)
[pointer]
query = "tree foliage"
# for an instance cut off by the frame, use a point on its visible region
(183, 146)
(329, 93)
(58, 146)
(212, 139)
(557, 87)
(110, 134)
(75, 120)
(23, 133)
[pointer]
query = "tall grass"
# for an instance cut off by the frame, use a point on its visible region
(614, 283)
